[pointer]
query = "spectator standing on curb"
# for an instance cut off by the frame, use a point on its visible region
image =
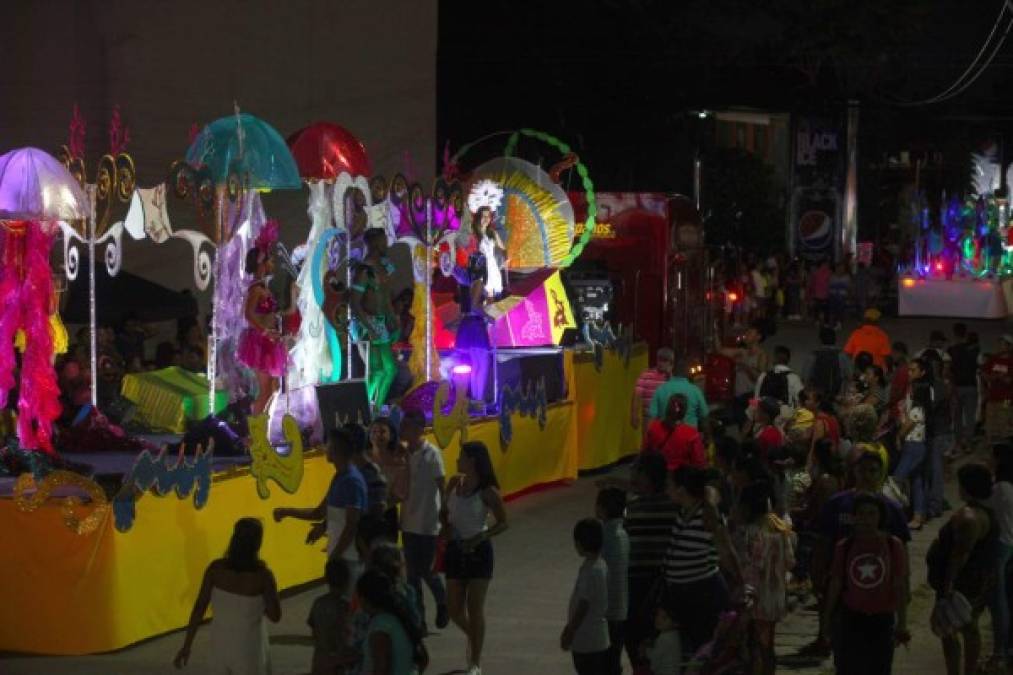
(696, 404)
(827, 368)
(609, 508)
(647, 384)
(998, 375)
(751, 361)
(420, 514)
(869, 337)
(964, 367)
(650, 516)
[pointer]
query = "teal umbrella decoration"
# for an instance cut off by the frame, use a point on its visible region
(244, 148)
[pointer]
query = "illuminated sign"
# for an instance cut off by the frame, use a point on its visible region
(601, 231)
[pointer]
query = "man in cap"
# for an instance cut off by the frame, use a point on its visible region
(869, 337)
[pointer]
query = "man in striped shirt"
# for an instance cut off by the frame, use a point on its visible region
(650, 517)
(647, 384)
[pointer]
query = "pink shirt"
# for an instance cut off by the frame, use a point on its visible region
(647, 384)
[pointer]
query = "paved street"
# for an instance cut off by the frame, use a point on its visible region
(535, 567)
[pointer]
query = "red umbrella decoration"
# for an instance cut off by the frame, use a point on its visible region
(323, 151)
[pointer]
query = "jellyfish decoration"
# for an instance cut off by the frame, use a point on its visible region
(26, 286)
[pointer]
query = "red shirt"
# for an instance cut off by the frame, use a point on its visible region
(872, 566)
(681, 446)
(767, 439)
(997, 371)
(833, 429)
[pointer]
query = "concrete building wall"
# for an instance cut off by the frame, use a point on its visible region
(369, 66)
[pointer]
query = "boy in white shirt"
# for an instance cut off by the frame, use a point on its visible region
(420, 514)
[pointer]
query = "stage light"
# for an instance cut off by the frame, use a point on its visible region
(939, 267)
(461, 369)
(907, 282)
(733, 296)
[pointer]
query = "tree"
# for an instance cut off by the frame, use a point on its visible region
(740, 201)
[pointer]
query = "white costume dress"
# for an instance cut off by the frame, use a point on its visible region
(239, 644)
(494, 280)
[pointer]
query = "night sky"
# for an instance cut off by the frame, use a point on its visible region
(616, 79)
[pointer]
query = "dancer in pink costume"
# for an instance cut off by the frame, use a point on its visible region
(25, 290)
(260, 345)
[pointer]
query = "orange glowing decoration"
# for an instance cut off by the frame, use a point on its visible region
(908, 282)
(733, 296)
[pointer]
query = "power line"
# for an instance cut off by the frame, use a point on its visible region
(958, 86)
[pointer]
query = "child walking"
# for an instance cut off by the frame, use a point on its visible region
(765, 546)
(586, 633)
(330, 621)
(664, 653)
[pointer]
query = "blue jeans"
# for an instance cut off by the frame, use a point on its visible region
(419, 553)
(912, 456)
(934, 472)
(997, 605)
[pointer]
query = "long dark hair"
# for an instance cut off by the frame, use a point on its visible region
(377, 589)
(694, 480)
(829, 462)
(677, 404)
(386, 421)
(755, 500)
(476, 222)
(921, 396)
(244, 546)
(479, 455)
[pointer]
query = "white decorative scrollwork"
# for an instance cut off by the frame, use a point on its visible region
(71, 253)
(203, 248)
(113, 240)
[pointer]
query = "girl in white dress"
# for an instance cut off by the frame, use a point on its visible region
(242, 591)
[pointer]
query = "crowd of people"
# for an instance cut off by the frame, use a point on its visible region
(807, 482)
(760, 289)
(372, 619)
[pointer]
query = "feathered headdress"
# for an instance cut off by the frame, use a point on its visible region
(486, 193)
(268, 237)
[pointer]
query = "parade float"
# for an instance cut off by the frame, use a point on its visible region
(112, 545)
(961, 262)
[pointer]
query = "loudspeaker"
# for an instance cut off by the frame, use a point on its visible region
(342, 402)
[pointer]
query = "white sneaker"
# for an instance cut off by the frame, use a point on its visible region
(474, 670)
